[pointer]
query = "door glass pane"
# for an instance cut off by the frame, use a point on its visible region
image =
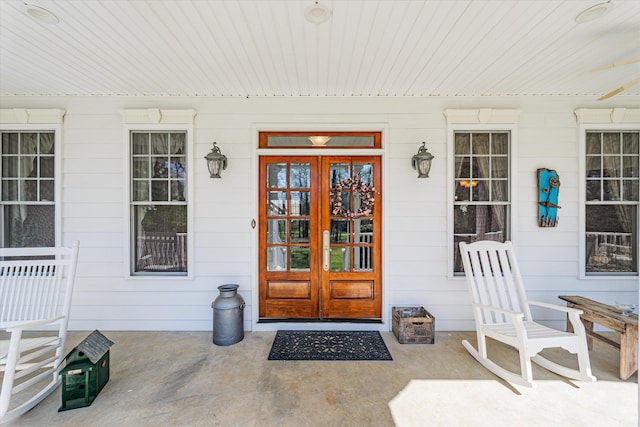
(339, 258)
(339, 172)
(300, 201)
(300, 258)
(277, 175)
(363, 258)
(363, 230)
(276, 231)
(340, 230)
(276, 258)
(365, 171)
(299, 231)
(276, 203)
(300, 175)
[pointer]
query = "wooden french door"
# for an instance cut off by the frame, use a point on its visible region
(320, 237)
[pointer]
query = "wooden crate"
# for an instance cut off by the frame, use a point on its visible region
(413, 325)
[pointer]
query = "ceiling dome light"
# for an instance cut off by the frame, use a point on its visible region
(594, 12)
(317, 13)
(40, 14)
(319, 139)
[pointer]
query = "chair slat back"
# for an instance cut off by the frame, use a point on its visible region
(494, 279)
(36, 283)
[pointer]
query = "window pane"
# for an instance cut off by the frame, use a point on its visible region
(499, 167)
(177, 191)
(10, 166)
(10, 143)
(177, 167)
(500, 190)
(630, 144)
(630, 166)
(160, 238)
(463, 167)
(141, 167)
(463, 190)
(140, 191)
(480, 192)
(630, 190)
(47, 191)
(480, 143)
(611, 166)
(593, 190)
(593, 143)
(462, 143)
(159, 143)
(500, 143)
(140, 142)
(611, 189)
(611, 143)
(611, 240)
(480, 167)
(29, 226)
(160, 167)
(159, 191)
(478, 222)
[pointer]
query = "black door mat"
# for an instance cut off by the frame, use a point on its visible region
(329, 345)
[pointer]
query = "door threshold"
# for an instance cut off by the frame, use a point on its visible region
(337, 320)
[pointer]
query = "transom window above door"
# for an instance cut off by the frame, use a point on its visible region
(320, 139)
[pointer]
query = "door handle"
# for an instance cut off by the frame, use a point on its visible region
(326, 250)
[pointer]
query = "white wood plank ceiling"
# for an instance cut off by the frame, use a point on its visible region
(266, 48)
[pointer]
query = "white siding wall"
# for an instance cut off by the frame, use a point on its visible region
(415, 258)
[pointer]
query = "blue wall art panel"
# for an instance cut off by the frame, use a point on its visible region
(548, 188)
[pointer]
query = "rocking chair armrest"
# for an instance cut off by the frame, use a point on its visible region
(514, 314)
(569, 310)
(20, 326)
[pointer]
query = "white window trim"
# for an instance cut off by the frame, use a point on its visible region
(41, 120)
(591, 119)
(158, 120)
(482, 120)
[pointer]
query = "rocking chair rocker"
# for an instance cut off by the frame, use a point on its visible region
(36, 285)
(501, 311)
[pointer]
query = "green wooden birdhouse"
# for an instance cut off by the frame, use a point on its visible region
(86, 371)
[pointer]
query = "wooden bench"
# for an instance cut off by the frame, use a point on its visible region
(609, 317)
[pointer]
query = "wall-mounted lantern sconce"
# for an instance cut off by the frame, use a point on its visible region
(421, 161)
(216, 162)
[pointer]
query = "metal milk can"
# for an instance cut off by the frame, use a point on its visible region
(228, 316)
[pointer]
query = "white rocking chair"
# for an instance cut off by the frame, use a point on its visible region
(36, 285)
(502, 312)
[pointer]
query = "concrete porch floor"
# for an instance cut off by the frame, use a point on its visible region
(182, 379)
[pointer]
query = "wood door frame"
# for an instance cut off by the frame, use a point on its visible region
(304, 295)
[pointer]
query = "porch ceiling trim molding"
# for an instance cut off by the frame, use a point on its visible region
(31, 116)
(482, 116)
(608, 115)
(157, 116)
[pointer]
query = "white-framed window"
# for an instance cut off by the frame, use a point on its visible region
(481, 178)
(612, 166)
(609, 141)
(159, 182)
(30, 174)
